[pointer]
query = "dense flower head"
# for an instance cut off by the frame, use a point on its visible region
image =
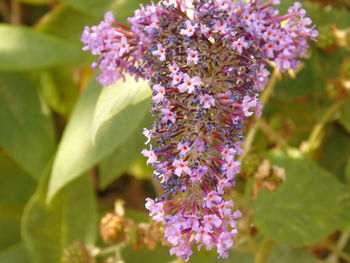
(206, 62)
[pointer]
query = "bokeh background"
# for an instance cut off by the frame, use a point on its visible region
(73, 182)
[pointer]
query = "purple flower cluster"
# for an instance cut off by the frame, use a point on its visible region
(206, 63)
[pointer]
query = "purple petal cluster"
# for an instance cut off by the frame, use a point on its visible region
(206, 62)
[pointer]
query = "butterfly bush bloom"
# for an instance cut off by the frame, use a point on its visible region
(206, 63)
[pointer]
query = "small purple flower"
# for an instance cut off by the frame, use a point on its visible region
(161, 52)
(177, 78)
(207, 101)
(174, 68)
(206, 72)
(239, 45)
(189, 83)
(159, 93)
(181, 167)
(190, 29)
(212, 198)
(183, 148)
(152, 158)
(168, 116)
(192, 56)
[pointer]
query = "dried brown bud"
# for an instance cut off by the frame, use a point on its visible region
(269, 177)
(113, 228)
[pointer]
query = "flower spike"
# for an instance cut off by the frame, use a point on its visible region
(206, 62)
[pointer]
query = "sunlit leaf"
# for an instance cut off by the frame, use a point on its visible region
(115, 98)
(22, 48)
(76, 152)
(26, 131)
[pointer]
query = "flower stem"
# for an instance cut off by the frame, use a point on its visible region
(315, 139)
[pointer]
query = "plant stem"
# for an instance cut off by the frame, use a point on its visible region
(314, 140)
(337, 250)
(110, 250)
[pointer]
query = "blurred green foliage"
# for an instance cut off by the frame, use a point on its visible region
(69, 148)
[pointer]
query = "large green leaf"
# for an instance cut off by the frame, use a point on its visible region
(26, 131)
(120, 160)
(121, 8)
(48, 229)
(16, 187)
(282, 254)
(76, 151)
(306, 208)
(23, 49)
(114, 99)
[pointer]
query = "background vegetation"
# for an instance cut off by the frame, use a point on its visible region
(67, 140)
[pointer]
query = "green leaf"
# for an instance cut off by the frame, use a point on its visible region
(67, 23)
(140, 170)
(36, 2)
(14, 254)
(121, 8)
(26, 132)
(161, 255)
(212, 257)
(158, 255)
(121, 159)
(291, 255)
(306, 208)
(345, 116)
(23, 49)
(331, 156)
(76, 152)
(115, 98)
(58, 89)
(320, 15)
(47, 229)
(347, 172)
(16, 188)
(10, 226)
